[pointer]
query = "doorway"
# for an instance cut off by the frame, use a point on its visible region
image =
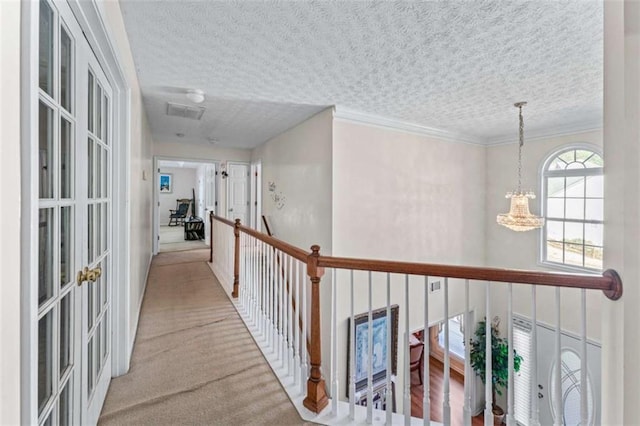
(185, 192)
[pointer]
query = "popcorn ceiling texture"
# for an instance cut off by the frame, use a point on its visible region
(456, 66)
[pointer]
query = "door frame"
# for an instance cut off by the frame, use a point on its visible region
(91, 19)
(255, 200)
(156, 192)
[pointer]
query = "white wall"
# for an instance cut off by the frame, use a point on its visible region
(402, 196)
(184, 182)
(519, 250)
(141, 195)
(10, 213)
(298, 161)
(621, 333)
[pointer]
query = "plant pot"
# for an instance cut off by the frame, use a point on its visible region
(498, 416)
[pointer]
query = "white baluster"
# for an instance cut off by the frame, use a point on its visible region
(488, 394)
(557, 384)
(534, 417)
(334, 347)
(285, 316)
(280, 260)
(352, 356)
(388, 401)
(274, 277)
(407, 368)
(510, 361)
(290, 311)
(370, 355)
(467, 359)
(274, 292)
(303, 346)
(296, 327)
(426, 382)
(262, 288)
(584, 409)
(446, 407)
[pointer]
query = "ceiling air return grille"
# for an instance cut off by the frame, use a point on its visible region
(185, 111)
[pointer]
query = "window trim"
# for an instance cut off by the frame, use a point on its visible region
(543, 174)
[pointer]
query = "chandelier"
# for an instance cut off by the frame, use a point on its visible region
(519, 218)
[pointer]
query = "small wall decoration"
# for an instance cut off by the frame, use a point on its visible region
(379, 321)
(276, 196)
(166, 183)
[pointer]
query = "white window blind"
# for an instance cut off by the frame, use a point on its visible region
(522, 380)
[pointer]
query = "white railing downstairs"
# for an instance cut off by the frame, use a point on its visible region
(277, 288)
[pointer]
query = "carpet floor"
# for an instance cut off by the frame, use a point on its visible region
(194, 362)
(172, 239)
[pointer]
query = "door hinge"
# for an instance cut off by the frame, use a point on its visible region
(158, 170)
(158, 203)
(158, 237)
(216, 173)
(215, 204)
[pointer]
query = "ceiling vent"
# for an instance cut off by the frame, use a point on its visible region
(185, 111)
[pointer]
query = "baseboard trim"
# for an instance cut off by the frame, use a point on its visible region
(139, 310)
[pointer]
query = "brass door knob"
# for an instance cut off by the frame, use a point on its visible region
(90, 275)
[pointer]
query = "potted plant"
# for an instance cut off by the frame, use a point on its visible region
(499, 361)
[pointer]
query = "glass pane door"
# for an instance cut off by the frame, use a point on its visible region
(96, 294)
(56, 369)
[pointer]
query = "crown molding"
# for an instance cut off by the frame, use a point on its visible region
(350, 115)
(548, 133)
(346, 114)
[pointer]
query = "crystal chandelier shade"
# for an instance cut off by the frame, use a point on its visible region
(519, 217)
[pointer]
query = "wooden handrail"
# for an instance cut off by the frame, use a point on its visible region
(610, 282)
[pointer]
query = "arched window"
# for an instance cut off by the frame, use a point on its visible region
(573, 205)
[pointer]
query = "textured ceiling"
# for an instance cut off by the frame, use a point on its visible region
(450, 65)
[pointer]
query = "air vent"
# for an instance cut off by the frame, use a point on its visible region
(185, 111)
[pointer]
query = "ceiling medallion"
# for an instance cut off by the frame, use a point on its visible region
(519, 218)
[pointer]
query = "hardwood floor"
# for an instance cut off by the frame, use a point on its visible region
(436, 383)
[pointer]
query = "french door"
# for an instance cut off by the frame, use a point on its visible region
(73, 360)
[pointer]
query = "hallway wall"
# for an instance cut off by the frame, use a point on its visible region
(10, 193)
(140, 166)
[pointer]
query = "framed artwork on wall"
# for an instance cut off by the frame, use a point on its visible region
(166, 183)
(379, 349)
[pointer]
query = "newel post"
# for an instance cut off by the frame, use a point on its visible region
(316, 398)
(236, 259)
(211, 237)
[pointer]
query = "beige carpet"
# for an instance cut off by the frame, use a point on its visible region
(194, 362)
(172, 239)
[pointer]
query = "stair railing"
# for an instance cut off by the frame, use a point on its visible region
(270, 285)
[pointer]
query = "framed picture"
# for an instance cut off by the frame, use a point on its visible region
(166, 183)
(380, 354)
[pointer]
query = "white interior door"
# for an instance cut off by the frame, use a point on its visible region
(238, 191)
(72, 363)
(209, 199)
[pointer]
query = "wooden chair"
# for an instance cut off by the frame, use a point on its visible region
(177, 216)
(416, 356)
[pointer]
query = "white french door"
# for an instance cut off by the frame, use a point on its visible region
(72, 365)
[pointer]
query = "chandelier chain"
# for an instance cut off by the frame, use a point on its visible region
(520, 150)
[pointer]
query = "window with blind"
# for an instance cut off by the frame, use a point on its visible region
(522, 381)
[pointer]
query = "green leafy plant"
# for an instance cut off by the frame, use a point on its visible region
(499, 358)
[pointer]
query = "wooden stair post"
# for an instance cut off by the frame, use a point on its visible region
(316, 398)
(236, 259)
